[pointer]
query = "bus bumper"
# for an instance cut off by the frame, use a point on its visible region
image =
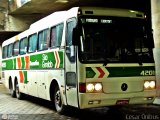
(90, 100)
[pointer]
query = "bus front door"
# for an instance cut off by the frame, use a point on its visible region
(70, 66)
(71, 82)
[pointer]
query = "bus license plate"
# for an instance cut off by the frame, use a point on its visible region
(122, 102)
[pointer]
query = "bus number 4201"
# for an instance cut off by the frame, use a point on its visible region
(147, 73)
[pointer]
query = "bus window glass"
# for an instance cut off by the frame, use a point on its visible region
(70, 26)
(43, 40)
(53, 37)
(56, 35)
(23, 46)
(59, 32)
(4, 54)
(16, 48)
(10, 48)
(114, 39)
(32, 43)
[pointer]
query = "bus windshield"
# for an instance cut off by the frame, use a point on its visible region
(114, 39)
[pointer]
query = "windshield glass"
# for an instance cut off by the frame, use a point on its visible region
(114, 39)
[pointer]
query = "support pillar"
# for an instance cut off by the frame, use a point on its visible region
(155, 9)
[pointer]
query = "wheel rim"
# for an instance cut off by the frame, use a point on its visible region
(58, 102)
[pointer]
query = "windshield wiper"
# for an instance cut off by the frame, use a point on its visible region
(106, 61)
(139, 60)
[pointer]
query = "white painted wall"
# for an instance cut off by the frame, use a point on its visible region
(156, 34)
(0, 60)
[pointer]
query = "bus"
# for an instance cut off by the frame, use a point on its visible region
(84, 57)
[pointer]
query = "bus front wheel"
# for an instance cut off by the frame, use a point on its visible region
(59, 106)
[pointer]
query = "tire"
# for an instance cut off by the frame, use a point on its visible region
(19, 95)
(58, 104)
(12, 92)
(115, 108)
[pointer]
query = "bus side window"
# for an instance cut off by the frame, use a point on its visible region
(4, 53)
(32, 43)
(16, 48)
(23, 45)
(56, 35)
(71, 23)
(10, 52)
(43, 39)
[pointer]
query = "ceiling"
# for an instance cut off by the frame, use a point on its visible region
(45, 7)
(38, 7)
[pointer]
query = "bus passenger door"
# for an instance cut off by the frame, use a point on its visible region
(70, 66)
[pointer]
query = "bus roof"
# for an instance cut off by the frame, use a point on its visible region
(54, 18)
(61, 16)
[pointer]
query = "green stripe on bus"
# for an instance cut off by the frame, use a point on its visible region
(14, 61)
(123, 71)
(42, 61)
(23, 62)
(7, 64)
(61, 59)
(37, 61)
(90, 73)
(25, 77)
(129, 71)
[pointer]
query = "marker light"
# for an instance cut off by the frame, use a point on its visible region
(149, 84)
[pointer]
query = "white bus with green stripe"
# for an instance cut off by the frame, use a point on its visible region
(84, 57)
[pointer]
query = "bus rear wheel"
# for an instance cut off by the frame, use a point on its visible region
(12, 92)
(59, 106)
(19, 95)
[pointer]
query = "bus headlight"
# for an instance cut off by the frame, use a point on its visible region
(152, 84)
(98, 87)
(94, 87)
(149, 84)
(90, 87)
(146, 84)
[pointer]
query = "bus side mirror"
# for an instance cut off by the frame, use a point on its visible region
(75, 37)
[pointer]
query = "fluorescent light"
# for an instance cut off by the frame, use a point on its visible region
(62, 1)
